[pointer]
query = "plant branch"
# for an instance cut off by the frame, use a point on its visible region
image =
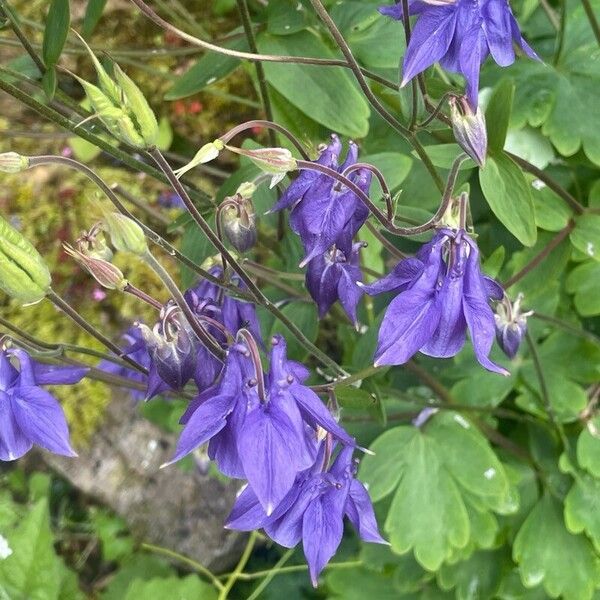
(235, 575)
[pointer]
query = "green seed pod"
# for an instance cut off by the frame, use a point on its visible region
(125, 234)
(137, 105)
(11, 162)
(23, 273)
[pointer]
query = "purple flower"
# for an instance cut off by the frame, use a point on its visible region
(235, 314)
(441, 294)
(332, 276)
(261, 428)
(460, 35)
(135, 347)
(29, 414)
(313, 511)
(324, 212)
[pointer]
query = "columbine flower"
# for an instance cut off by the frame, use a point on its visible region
(29, 414)
(261, 428)
(469, 129)
(324, 210)
(172, 346)
(313, 511)
(135, 347)
(442, 293)
(511, 325)
(460, 35)
(333, 276)
(236, 314)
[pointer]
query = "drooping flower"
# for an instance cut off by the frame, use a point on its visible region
(325, 212)
(333, 276)
(135, 347)
(236, 314)
(460, 35)
(441, 294)
(511, 325)
(260, 427)
(29, 414)
(313, 511)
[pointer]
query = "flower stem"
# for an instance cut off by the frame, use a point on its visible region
(277, 568)
(6, 11)
(84, 324)
(235, 575)
(589, 11)
(185, 560)
(254, 290)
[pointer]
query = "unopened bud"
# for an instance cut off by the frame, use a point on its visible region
(239, 222)
(511, 325)
(23, 273)
(93, 243)
(207, 153)
(125, 234)
(11, 162)
(276, 162)
(104, 272)
(469, 129)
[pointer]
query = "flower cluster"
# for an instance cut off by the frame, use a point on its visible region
(460, 35)
(327, 216)
(29, 414)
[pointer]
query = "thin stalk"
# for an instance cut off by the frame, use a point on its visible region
(141, 295)
(200, 568)
(349, 380)
(397, 254)
(545, 394)
(588, 335)
(254, 290)
(350, 564)
(560, 41)
(84, 324)
(385, 189)
(303, 60)
(6, 10)
(539, 258)
(260, 71)
(205, 338)
(589, 11)
(235, 575)
(260, 588)
(415, 82)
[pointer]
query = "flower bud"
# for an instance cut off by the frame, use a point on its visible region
(11, 162)
(93, 243)
(23, 273)
(207, 153)
(276, 162)
(239, 222)
(511, 325)
(125, 234)
(469, 129)
(104, 272)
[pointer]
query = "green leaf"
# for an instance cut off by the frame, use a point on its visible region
(507, 192)
(551, 212)
(93, 12)
(197, 247)
(212, 67)
(547, 554)
(49, 83)
(497, 115)
(582, 508)
(287, 16)
(529, 144)
(56, 31)
(309, 88)
(444, 155)
(33, 570)
(588, 449)
(304, 315)
(394, 166)
(171, 588)
(586, 235)
(584, 283)
(360, 583)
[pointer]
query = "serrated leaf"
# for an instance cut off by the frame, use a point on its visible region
(584, 283)
(497, 115)
(508, 195)
(586, 235)
(209, 69)
(588, 449)
(547, 554)
(56, 31)
(582, 508)
(314, 92)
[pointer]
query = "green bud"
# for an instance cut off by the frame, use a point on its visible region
(239, 222)
(207, 153)
(23, 273)
(272, 161)
(104, 272)
(125, 234)
(11, 162)
(137, 105)
(246, 189)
